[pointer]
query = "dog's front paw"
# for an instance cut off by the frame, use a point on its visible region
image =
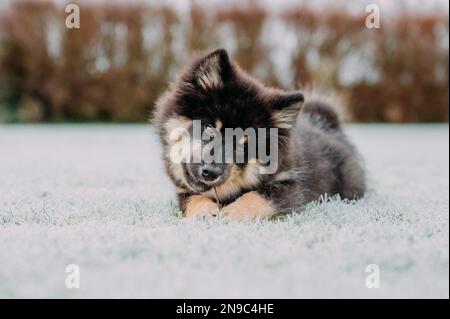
(250, 206)
(201, 206)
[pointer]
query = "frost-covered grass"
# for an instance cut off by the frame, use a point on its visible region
(96, 196)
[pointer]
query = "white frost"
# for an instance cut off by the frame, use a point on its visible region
(97, 197)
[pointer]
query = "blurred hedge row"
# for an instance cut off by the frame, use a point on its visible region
(123, 56)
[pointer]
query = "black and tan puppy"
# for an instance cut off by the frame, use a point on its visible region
(313, 158)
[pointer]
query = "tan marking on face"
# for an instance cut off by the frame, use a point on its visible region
(251, 206)
(237, 181)
(219, 124)
(199, 205)
(231, 186)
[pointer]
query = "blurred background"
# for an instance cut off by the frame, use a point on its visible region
(113, 68)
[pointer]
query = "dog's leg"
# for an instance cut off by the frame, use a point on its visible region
(198, 205)
(251, 205)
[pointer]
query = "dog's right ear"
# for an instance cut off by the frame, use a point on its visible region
(212, 70)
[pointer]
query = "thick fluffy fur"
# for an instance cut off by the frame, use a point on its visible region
(315, 156)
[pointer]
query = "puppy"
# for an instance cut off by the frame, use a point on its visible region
(213, 96)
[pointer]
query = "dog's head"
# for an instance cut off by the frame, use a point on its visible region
(211, 98)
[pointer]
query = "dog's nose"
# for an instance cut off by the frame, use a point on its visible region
(210, 172)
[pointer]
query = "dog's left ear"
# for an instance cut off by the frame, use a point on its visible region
(213, 70)
(285, 109)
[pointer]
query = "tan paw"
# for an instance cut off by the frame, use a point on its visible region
(249, 206)
(201, 206)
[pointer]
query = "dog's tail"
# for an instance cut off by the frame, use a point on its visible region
(324, 113)
(326, 109)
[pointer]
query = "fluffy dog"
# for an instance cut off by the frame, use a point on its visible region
(314, 157)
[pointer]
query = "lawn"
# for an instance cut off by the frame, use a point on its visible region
(97, 196)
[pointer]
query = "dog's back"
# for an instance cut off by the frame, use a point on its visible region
(326, 157)
(321, 160)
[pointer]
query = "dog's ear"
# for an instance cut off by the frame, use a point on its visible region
(212, 70)
(285, 109)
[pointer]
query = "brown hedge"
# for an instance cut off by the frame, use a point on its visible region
(123, 56)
